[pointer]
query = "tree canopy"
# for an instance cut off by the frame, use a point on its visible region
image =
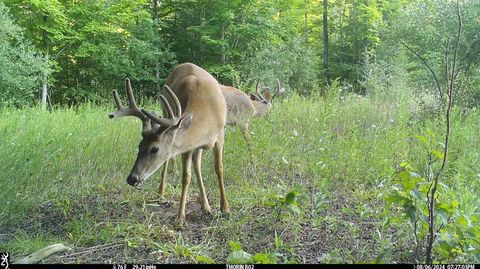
(94, 45)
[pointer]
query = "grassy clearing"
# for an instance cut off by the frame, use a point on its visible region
(63, 181)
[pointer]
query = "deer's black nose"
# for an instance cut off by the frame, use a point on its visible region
(132, 179)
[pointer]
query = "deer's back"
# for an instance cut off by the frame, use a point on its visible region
(239, 106)
(199, 94)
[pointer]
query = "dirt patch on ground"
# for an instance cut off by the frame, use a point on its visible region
(46, 218)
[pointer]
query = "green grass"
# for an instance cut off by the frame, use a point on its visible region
(63, 181)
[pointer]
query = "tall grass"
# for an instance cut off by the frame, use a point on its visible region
(45, 155)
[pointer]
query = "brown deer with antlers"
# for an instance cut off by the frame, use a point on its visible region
(240, 109)
(196, 122)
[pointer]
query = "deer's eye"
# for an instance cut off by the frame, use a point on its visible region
(154, 150)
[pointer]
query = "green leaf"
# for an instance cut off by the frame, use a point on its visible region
(239, 257)
(407, 166)
(422, 217)
(422, 139)
(438, 154)
(463, 220)
(204, 259)
(444, 206)
(443, 214)
(408, 184)
(416, 194)
(411, 212)
(265, 258)
(278, 241)
(397, 199)
(444, 245)
(290, 198)
(235, 245)
(404, 175)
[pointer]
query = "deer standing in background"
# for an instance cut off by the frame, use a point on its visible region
(196, 122)
(240, 109)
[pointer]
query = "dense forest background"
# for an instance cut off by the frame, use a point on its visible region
(77, 51)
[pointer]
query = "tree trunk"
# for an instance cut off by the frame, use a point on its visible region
(156, 3)
(46, 48)
(325, 39)
(223, 58)
(366, 64)
(305, 31)
(155, 10)
(366, 57)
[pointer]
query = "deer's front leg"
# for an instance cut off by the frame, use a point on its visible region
(186, 178)
(197, 164)
(161, 188)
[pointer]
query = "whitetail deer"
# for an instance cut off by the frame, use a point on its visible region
(196, 122)
(263, 102)
(240, 109)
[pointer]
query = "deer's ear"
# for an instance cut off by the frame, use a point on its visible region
(267, 94)
(184, 123)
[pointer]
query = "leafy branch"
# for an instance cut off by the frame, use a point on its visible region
(450, 86)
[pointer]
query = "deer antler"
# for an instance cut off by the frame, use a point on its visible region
(173, 117)
(258, 94)
(280, 90)
(131, 110)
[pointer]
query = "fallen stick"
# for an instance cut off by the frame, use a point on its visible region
(45, 252)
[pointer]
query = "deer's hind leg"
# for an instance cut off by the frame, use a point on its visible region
(218, 156)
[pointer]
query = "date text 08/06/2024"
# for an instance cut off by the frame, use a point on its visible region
(444, 266)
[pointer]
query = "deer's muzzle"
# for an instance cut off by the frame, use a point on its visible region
(132, 179)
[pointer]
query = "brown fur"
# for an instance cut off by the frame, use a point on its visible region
(200, 126)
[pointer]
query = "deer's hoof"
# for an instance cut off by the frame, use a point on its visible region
(226, 214)
(180, 226)
(206, 210)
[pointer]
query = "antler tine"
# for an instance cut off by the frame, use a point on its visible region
(259, 95)
(178, 107)
(173, 118)
(131, 110)
(155, 118)
(167, 106)
(131, 98)
(118, 102)
(280, 90)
